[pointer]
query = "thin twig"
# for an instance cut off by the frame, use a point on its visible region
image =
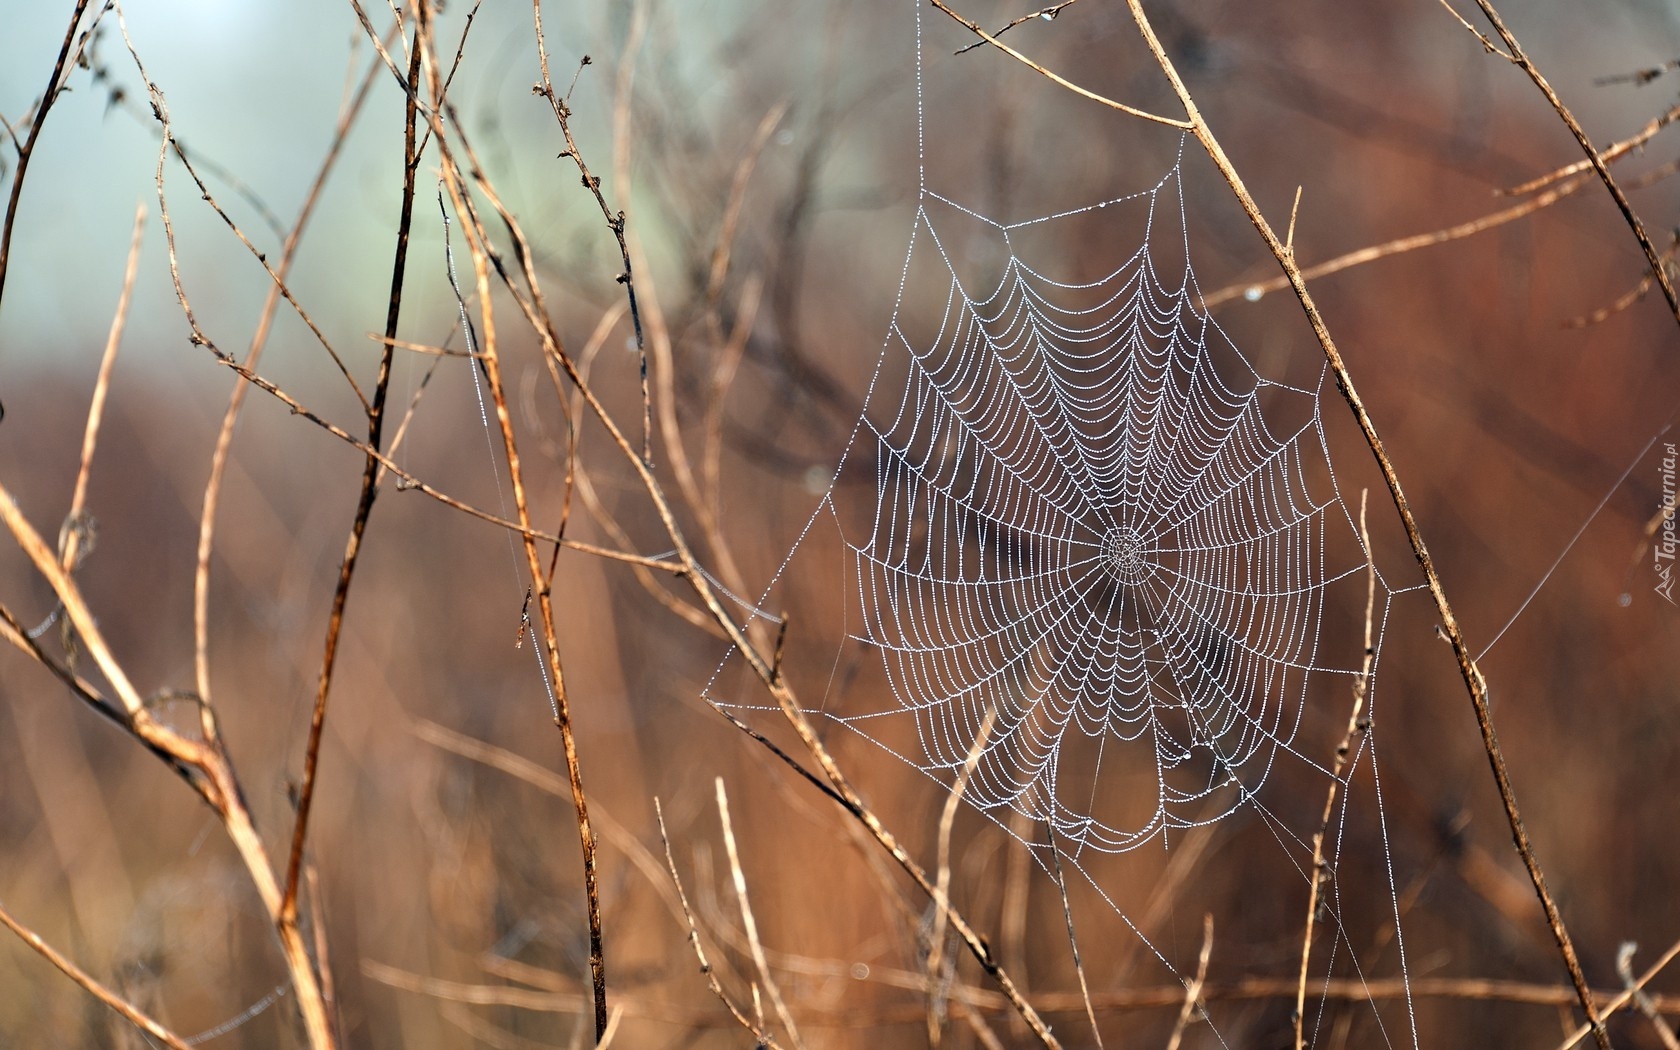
(129, 1012)
(1627, 298)
(85, 691)
(1193, 990)
(1639, 77)
(1518, 57)
(27, 150)
(1056, 78)
(1487, 45)
(1320, 872)
(1046, 13)
(1624, 970)
(1253, 290)
(1557, 184)
(592, 183)
(484, 258)
(1627, 995)
(1610, 154)
(748, 923)
(947, 820)
(72, 550)
(364, 507)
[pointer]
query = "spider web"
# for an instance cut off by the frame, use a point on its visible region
(1084, 529)
(1102, 563)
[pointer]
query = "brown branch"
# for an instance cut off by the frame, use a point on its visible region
(129, 1012)
(1193, 990)
(1253, 290)
(1056, 78)
(1046, 13)
(27, 150)
(71, 545)
(484, 256)
(1356, 725)
(85, 691)
(1521, 59)
(364, 508)
(1627, 298)
(1487, 45)
(762, 1037)
(1558, 188)
(1639, 77)
(1611, 154)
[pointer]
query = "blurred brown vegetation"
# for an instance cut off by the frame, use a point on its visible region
(448, 887)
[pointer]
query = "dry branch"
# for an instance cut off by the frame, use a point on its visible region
(129, 1011)
(1518, 57)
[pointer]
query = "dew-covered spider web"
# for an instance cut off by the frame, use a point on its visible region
(1091, 563)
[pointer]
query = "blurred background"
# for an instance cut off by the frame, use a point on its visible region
(766, 156)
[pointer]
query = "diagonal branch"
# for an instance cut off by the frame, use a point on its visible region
(54, 86)
(1057, 78)
(455, 179)
(1521, 60)
(358, 526)
(129, 1012)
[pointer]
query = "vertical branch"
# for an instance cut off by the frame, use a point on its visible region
(936, 991)
(1193, 990)
(1356, 721)
(748, 923)
(761, 1037)
(482, 254)
(592, 183)
(76, 534)
(358, 525)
